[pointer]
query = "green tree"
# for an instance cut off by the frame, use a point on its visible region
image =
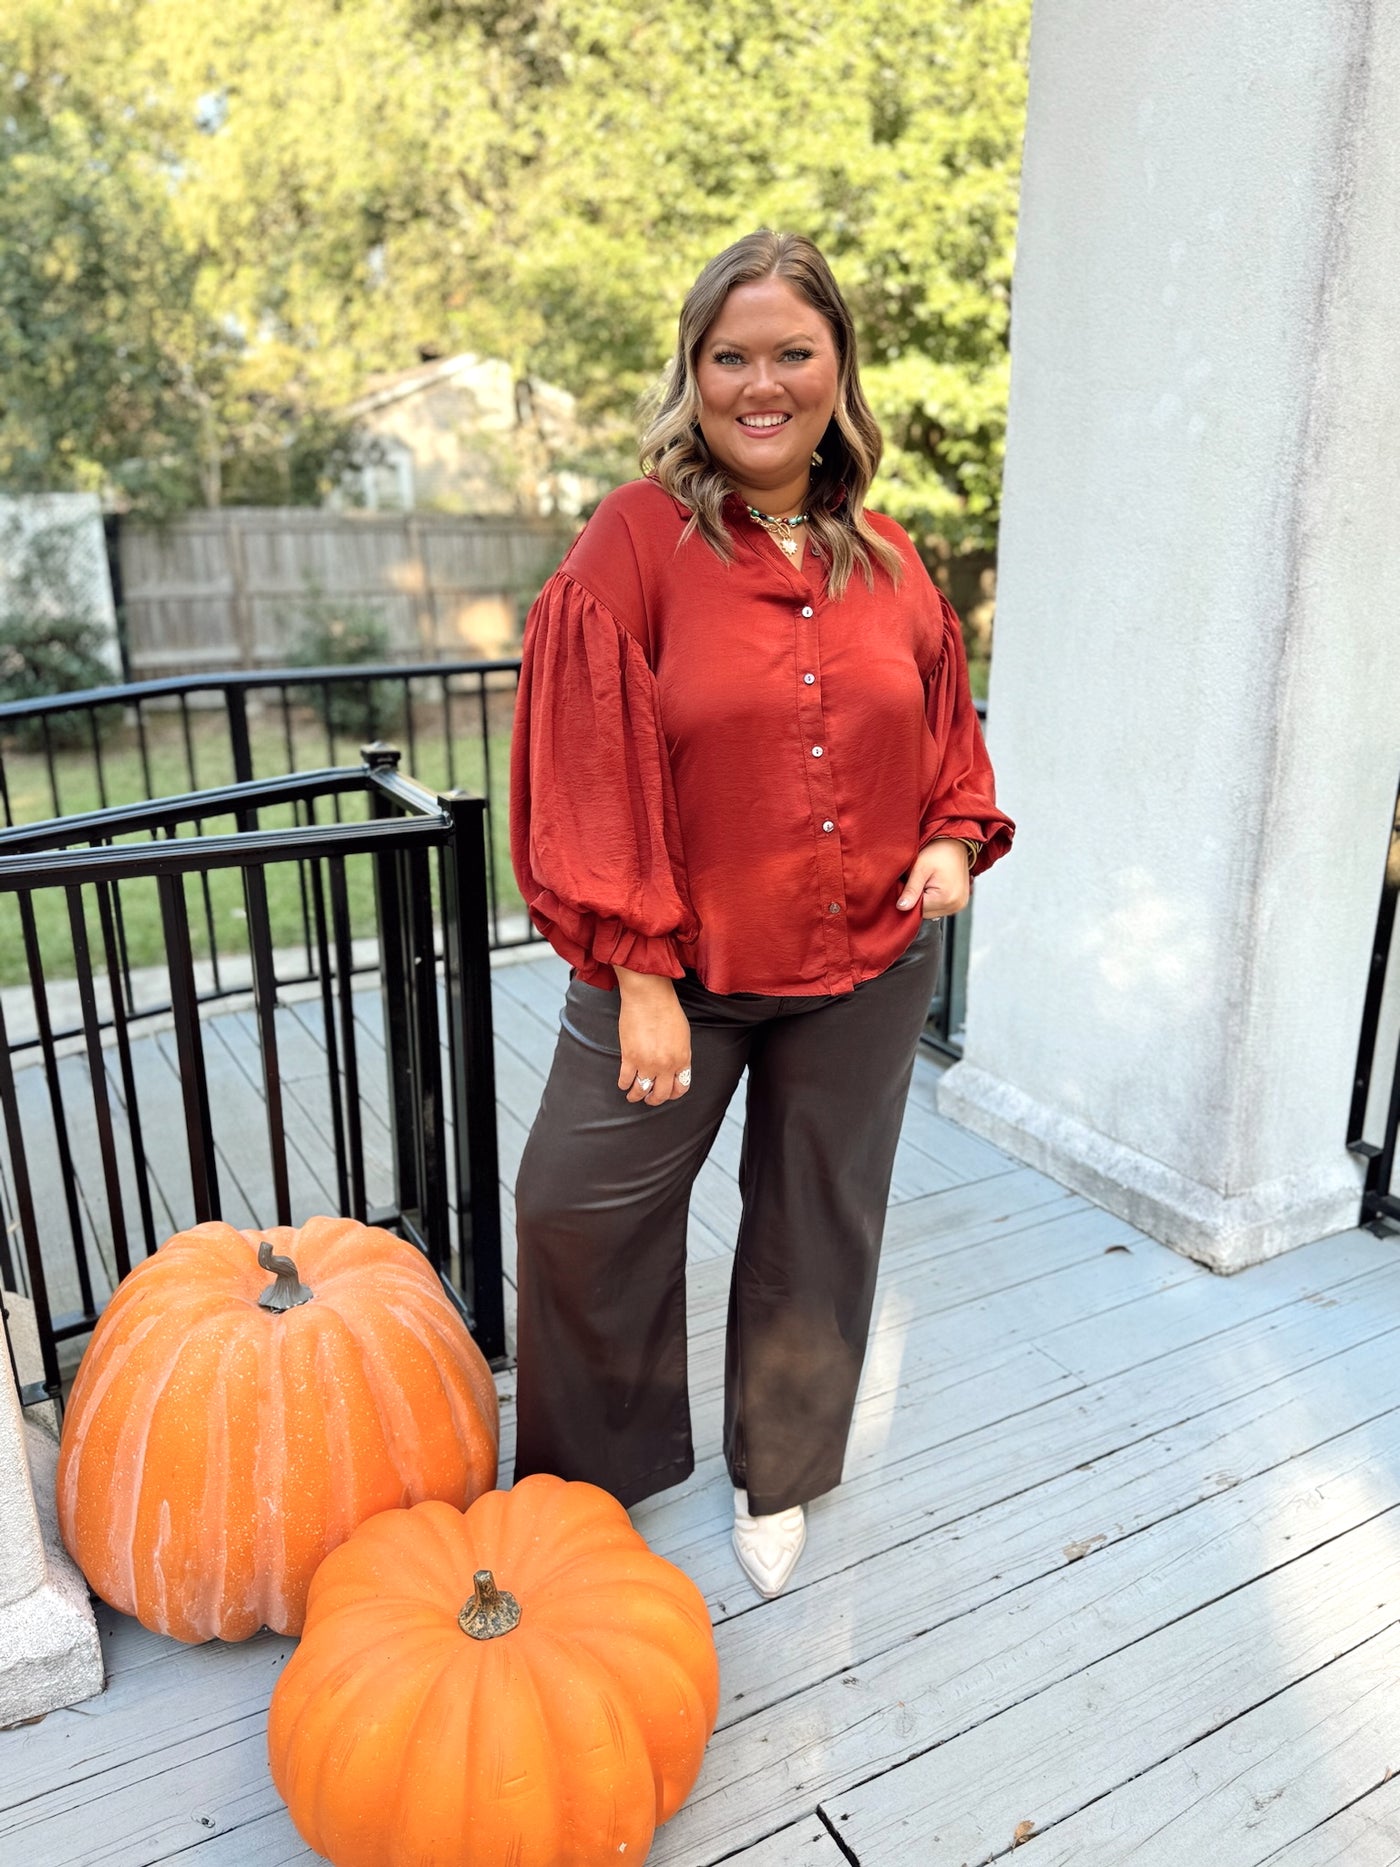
(889, 130)
(124, 363)
(541, 179)
(96, 385)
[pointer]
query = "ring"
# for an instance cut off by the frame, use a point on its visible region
(683, 1077)
(645, 1083)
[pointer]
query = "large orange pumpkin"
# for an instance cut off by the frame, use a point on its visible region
(217, 1445)
(522, 1685)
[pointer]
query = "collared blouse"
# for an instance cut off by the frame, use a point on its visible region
(716, 767)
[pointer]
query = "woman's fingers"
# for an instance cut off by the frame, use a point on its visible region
(939, 874)
(664, 1087)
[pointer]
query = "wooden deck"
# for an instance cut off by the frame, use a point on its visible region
(1114, 1575)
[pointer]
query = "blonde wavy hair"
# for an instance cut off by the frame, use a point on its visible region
(673, 450)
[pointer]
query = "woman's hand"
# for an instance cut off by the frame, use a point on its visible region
(940, 873)
(655, 1036)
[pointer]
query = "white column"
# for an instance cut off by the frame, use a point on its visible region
(1194, 709)
(50, 1654)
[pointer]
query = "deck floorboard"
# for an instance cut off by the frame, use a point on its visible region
(1114, 1574)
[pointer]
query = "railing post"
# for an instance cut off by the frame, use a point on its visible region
(472, 1067)
(236, 707)
(433, 1211)
(1379, 1207)
(189, 1046)
(395, 987)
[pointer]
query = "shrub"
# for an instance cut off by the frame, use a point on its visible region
(50, 641)
(343, 634)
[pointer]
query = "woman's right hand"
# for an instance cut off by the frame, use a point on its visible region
(655, 1036)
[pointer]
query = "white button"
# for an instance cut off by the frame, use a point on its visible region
(828, 825)
(809, 678)
(816, 751)
(833, 907)
(807, 609)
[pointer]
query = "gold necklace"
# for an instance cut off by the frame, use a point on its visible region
(780, 530)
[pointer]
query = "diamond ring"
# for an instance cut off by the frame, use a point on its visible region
(646, 1083)
(683, 1077)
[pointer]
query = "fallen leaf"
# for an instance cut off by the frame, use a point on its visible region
(1073, 1551)
(1024, 1831)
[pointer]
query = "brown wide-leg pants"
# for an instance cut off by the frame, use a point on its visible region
(602, 1200)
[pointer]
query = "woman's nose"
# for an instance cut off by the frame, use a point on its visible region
(763, 379)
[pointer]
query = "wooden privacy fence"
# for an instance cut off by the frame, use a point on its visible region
(233, 588)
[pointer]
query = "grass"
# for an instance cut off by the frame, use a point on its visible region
(215, 903)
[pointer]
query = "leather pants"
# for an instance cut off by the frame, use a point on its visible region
(602, 1201)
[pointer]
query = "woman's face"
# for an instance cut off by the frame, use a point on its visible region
(767, 373)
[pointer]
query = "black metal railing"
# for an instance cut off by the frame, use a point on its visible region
(455, 719)
(131, 1123)
(947, 1011)
(1375, 1101)
(134, 742)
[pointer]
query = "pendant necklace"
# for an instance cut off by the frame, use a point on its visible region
(779, 530)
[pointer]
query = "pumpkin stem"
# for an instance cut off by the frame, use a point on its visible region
(289, 1291)
(490, 1612)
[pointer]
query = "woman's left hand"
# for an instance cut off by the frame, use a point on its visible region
(940, 874)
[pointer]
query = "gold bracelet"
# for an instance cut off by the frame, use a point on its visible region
(973, 849)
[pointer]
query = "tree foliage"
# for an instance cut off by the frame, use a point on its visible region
(94, 336)
(330, 185)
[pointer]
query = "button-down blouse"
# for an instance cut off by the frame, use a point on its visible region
(714, 766)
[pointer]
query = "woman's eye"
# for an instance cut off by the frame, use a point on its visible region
(789, 356)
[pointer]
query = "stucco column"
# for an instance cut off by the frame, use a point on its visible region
(50, 1654)
(1194, 709)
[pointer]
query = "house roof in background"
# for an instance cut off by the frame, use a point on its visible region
(398, 385)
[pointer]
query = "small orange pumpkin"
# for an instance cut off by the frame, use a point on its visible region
(225, 1434)
(525, 1684)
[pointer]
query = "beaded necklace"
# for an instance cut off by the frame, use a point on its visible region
(778, 529)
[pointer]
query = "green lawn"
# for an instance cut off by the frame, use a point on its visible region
(221, 905)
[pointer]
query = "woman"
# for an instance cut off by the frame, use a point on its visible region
(748, 783)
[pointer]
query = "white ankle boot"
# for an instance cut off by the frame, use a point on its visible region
(768, 1547)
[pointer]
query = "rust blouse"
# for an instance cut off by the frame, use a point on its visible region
(715, 766)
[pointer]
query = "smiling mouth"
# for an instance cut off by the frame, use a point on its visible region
(761, 424)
